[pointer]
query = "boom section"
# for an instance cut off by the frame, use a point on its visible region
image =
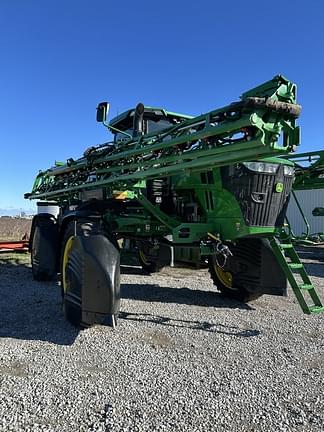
(309, 170)
(245, 130)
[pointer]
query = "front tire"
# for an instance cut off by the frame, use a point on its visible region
(224, 283)
(90, 273)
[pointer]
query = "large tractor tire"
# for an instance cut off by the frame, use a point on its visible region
(90, 271)
(250, 272)
(153, 260)
(44, 244)
(147, 265)
(223, 279)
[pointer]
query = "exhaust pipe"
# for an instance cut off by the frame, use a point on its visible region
(138, 120)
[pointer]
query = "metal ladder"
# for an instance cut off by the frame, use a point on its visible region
(290, 263)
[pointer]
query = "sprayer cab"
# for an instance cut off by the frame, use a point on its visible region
(143, 120)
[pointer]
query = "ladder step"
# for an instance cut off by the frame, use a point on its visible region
(316, 309)
(295, 265)
(285, 246)
(299, 280)
(306, 287)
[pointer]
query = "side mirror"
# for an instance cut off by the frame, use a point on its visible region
(102, 111)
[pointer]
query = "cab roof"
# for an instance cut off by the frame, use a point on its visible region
(122, 120)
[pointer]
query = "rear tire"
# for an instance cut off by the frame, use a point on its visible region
(78, 285)
(72, 311)
(153, 258)
(44, 246)
(223, 279)
(148, 266)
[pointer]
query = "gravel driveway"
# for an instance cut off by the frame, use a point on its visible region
(181, 359)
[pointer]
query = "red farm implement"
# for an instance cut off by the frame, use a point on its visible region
(14, 246)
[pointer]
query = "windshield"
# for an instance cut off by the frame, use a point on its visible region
(120, 137)
(158, 125)
(151, 125)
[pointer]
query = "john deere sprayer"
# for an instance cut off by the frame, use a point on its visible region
(170, 186)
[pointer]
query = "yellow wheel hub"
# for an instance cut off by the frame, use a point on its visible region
(143, 258)
(67, 251)
(225, 277)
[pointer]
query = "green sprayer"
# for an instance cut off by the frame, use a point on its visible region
(207, 189)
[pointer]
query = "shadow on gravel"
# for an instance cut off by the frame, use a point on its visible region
(312, 252)
(315, 269)
(194, 325)
(31, 310)
(156, 293)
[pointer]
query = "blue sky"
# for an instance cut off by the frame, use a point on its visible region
(60, 58)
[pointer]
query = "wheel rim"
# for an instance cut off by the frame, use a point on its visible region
(225, 277)
(143, 258)
(66, 255)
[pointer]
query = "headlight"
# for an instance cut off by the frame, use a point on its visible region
(261, 167)
(289, 170)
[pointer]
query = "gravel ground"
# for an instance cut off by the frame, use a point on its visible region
(181, 359)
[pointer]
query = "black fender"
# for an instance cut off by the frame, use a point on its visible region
(96, 270)
(43, 246)
(71, 216)
(255, 268)
(36, 218)
(273, 280)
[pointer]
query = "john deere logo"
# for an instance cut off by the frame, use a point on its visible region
(279, 187)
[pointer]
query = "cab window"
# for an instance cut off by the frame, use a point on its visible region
(157, 125)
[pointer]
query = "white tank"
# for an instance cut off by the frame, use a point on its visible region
(48, 207)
